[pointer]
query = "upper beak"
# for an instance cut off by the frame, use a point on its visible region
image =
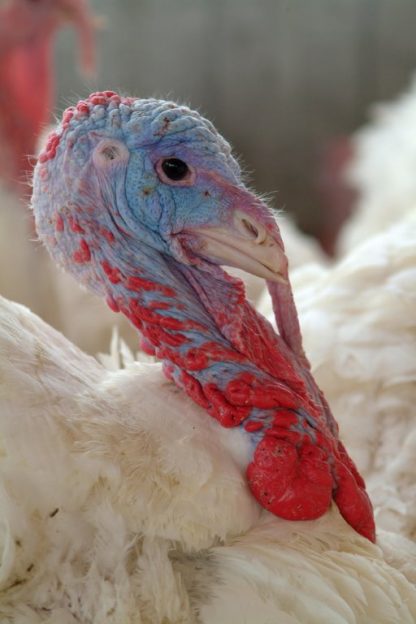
(245, 244)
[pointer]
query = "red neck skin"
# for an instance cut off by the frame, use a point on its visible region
(230, 361)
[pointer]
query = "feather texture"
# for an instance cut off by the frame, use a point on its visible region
(382, 169)
(123, 502)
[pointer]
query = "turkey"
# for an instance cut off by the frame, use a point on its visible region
(142, 201)
(382, 169)
(26, 37)
(123, 499)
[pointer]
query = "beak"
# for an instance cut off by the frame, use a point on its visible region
(245, 244)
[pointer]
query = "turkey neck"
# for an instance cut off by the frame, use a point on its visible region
(212, 342)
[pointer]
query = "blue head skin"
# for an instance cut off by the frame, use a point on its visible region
(107, 172)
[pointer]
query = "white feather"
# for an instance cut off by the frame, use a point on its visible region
(124, 502)
(383, 169)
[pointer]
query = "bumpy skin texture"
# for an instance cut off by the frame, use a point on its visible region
(106, 215)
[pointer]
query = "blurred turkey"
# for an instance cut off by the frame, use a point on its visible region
(27, 30)
(382, 170)
(359, 327)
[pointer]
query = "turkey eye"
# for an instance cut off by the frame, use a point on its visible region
(175, 169)
(175, 172)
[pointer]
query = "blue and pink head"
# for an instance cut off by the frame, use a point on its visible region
(123, 181)
(102, 161)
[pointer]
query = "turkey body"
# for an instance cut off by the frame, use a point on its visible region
(122, 501)
(382, 169)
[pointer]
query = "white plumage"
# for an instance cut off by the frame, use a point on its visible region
(124, 502)
(383, 169)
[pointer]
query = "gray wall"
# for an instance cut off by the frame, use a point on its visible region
(278, 77)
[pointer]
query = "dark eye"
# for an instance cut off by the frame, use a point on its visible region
(175, 172)
(175, 169)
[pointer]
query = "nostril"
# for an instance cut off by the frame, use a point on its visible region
(250, 228)
(255, 230)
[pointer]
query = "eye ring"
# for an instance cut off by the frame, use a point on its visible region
(175, 172)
